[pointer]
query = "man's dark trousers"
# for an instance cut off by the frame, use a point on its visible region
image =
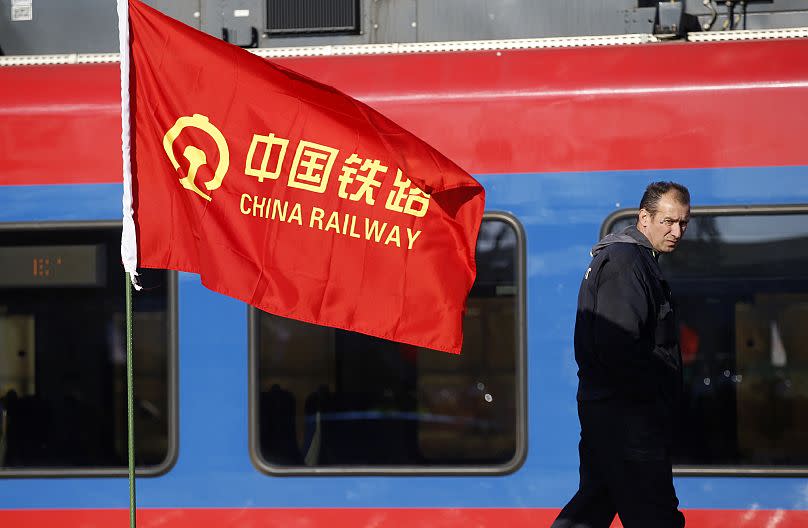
(625, 467)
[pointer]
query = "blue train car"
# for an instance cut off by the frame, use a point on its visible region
(247, 419)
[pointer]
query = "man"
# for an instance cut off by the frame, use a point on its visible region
(629, 370)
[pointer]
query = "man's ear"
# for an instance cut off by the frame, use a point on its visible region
(645, 217)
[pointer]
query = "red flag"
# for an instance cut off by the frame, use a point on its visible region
(291, 196)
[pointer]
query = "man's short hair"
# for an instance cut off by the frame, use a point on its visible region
(656, 190)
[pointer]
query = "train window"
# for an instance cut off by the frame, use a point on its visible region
(740, 281)
(327, 400)
(63, 354)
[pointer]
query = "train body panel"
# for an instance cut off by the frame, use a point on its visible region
(560, 139)
(653, 106)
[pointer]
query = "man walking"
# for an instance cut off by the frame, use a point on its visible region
(629, 370)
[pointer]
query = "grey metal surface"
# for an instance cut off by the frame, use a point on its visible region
(237, 19)
(76, 26)
(90, 26)
(393, 21)
(187, 11)
(766, 20)
(639, 19)
(81, 26)
(482, 19)
(697, 7)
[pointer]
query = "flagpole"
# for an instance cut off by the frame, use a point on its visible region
(130, 412)
(128, 246)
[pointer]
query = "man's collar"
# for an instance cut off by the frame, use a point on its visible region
(641, 239)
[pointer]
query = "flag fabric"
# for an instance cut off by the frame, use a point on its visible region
(290, 195)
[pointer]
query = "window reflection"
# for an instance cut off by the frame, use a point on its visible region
(332, 398)
(741, 287)
(63, 360)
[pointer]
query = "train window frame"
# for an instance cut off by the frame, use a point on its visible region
(172, 368)
(693, 470)
(520, 394)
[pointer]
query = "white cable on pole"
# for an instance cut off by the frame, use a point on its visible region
(128, 235)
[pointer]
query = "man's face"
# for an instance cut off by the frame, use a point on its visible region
(665, 228)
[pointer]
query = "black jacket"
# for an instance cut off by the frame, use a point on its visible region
(626, 341)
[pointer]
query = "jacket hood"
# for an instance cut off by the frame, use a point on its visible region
(629, 235)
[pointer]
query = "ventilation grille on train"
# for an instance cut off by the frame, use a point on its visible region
(312, 16)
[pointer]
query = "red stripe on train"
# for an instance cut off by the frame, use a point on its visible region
(661, 106)
(363, 517)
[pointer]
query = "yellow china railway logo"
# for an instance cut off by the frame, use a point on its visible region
(306, 166)
(195, 156)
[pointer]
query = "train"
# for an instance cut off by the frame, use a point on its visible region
(243, 418)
